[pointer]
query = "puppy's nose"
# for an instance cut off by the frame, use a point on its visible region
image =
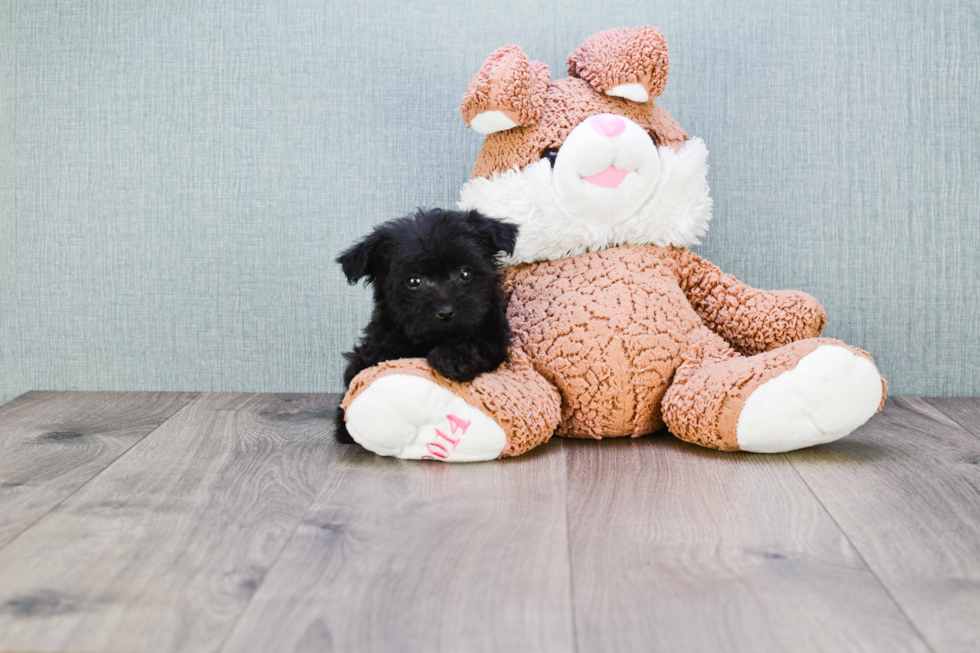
(608, 125)
(445, 312)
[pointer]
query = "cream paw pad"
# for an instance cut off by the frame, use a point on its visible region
(829, 393)
(411, 417)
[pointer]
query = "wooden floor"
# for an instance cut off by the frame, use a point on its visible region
(219, 522)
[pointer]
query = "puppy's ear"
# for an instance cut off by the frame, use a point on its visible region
(504, 235)
(362, 259)
(499, 236)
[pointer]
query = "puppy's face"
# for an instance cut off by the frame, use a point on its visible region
(434, 273)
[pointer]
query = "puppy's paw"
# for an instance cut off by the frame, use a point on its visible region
(340, 427)
(457, 362)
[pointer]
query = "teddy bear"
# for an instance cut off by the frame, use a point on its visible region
(618, 329)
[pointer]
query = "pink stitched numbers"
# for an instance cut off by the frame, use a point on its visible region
(457, 423)
(452, 441)
(439, 450)
(436, 450)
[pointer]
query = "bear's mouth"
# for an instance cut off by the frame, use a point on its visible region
(611, 177)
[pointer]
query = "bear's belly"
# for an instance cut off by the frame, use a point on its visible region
(607, 329)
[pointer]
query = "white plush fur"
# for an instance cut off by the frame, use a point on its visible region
(489, 122)
(409, 417)
(634, 92)
(663, 202)
(588, 151)
(829, 393)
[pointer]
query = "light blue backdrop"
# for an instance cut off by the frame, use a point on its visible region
(177, 177)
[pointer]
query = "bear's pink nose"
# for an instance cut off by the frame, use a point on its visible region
(608, 125)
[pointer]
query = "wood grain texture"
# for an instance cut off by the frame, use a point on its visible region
(52, 443)
(965, 411)
(239, 525)
(905, 488)
(677, 548)
(406, 556)
(162, 551)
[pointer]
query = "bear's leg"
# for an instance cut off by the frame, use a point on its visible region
(802, 394)
(404, 409)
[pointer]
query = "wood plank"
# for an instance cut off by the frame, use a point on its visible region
(408, 556)
(965, 411)
(905, 488)
(52, 443)
(679, 548)
(162, 551)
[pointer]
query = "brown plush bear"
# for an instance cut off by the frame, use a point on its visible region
(618, 329)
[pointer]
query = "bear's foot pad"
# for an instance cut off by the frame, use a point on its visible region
(413, 418)
(829, 393)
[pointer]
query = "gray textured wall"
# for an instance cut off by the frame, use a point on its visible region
(176, 177)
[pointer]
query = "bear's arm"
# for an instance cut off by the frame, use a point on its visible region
(750, 320)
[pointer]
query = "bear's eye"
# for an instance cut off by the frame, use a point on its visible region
(465, 275)
(551, 154)
(413, 282)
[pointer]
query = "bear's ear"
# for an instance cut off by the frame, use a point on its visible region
(628, 63)
(508, 92)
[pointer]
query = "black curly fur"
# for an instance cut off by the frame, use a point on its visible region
(434, 247)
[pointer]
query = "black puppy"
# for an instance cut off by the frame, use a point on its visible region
(438, 294)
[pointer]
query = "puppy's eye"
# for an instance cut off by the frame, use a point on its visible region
(465, 275)
(551, 154)
(413, 282)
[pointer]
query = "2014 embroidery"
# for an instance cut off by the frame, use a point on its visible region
(437, 449)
